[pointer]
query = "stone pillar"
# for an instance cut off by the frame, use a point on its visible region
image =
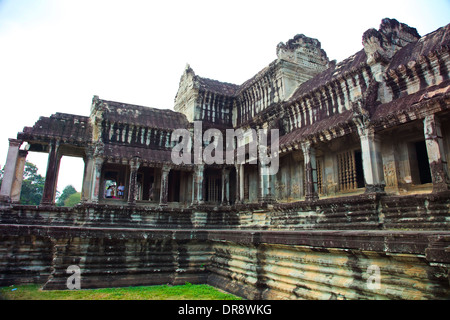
(260, 182)
(197, 197)
(268, 196)
(436, 154)
(225, 186)
(371, 159)
(204, 183)
(260, 167)
(18, 179)
(51, 176)
(86, 191)
(164, 186)
(134, 167)
(194, 197)
(10, 170)
(238, 183)
(241, 182)
(309, 155)
(96, 177)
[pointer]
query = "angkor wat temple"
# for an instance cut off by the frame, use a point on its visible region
(362, 184)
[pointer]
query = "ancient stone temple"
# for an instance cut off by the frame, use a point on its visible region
(357, 208)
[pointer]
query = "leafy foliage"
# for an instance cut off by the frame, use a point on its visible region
(32, 185)
(73, 199)
(67, 192)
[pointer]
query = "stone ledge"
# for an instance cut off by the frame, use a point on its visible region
(256, 264)
(369, 212)
(430, 244)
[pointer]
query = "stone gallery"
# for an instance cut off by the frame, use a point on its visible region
(357, 208)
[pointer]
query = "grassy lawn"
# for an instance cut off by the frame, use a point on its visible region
(164, 292)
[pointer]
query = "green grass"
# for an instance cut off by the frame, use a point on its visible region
(164, 292)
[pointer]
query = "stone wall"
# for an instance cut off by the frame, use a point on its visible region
(324, 249)
(359, 212)
(107, 257)
(325, 268)
(24, 257)
(252, 264)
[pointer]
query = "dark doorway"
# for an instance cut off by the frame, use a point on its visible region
(213, 179)
(145, 181)
(422, 161)
(174, 186)
(360, 183)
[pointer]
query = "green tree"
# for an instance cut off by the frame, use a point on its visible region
(32, 185)
(73, 200)
(67, 192)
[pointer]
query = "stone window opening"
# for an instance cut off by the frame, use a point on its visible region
(319, 172)
(114, 185)
(139, 189)
(319, 167)
(174, 186)
(422, 162)
(111, 186)
(350, 171)
(213, 186)
(146, 189)
(420, 167)
(251, 177)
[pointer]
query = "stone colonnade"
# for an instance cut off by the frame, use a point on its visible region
(14, 170)
(371, 158)
(372, 161)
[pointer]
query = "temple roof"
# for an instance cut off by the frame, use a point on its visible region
(60, 126)
(144, 116)
(215, 86)
(333, 72)
(432, 42)
(331, 123)
(386, 112)
(120, 152)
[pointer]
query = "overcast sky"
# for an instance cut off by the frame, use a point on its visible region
(57, 54)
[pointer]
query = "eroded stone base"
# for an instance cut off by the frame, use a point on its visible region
(252, 264)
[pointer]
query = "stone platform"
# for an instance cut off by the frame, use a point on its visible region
(242, 250)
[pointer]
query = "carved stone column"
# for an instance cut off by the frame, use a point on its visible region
(436, 154)
(268, 196)
(18, 178)
(198, 185)
(241, 182)
(260, 182)
(96, 177)
(238, 183)
(309, 154)
(164, 186)
(51, 176)
(86, 191)
(260, 167)
(225, 186)
(371, 158)
(134, 167)
(10, 170)
(262, 191)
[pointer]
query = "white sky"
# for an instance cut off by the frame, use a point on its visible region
(55, 55)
